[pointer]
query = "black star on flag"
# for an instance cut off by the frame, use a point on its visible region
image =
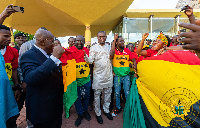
(86, 65)
(82, 71)
(8, 67)
(122, 63)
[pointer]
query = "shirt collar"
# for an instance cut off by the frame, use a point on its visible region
(3, 51)
(41, 50)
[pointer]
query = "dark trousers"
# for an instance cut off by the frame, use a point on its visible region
(20, 102)
(55, 123)
(91, 96)
(11, 122)
(83, 99)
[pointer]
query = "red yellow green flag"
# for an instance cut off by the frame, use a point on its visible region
(121, 62)
(70, 85)
(168, 86)
(75, 73)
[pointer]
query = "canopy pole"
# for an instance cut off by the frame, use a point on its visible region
(87, 35)
(125, 33)
(178, 20)
(151, 27)
(12, 42)
(178, 23)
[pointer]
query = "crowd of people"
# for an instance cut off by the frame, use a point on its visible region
(35, 74)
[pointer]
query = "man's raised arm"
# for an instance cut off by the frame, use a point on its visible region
(6, 13)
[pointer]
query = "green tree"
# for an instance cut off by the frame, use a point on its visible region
(28, 36)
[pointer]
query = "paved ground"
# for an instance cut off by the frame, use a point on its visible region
(117, 121)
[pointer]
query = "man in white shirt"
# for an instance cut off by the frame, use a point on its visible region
(102, 75)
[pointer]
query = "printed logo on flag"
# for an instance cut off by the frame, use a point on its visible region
(121, 61)
(8, 70)
(176, 104)
(82, 69)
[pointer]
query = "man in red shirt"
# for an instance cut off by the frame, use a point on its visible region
(121, 69)
(82, 77)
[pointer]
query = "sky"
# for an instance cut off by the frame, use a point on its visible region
(137, 4)
(153, 4)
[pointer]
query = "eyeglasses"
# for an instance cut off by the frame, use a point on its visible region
(51, 40)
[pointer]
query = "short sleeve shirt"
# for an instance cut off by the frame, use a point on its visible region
(151, 53)
(11, 60)
(121, 62)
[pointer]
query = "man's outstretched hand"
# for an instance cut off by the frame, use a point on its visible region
(8, 11)
(192, 37)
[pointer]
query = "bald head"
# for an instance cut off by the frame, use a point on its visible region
(42, 34)
(80, 36)
(44, 40)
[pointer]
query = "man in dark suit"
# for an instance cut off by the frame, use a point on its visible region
(40, 67)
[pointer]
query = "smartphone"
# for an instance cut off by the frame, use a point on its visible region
(184, 8)
(18, 9)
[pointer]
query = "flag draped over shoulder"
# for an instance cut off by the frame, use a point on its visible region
(69, 80)
(168, 87)
(75, 73)
(8, 105)
(70, 85)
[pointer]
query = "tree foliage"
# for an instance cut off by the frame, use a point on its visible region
(28, 36)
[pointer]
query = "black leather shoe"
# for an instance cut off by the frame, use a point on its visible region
(99, 119)
(87, 115)
(78, 120)
(109, 116)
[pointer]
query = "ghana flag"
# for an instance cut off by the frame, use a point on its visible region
(168, 87)
(70, 85)
(121, 62)
(75, 73)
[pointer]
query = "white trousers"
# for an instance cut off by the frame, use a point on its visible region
(107, 99)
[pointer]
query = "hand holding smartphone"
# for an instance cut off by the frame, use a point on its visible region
(18, 9)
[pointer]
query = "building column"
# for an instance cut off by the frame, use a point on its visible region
(177, 22)
(125, 32)
(12, 42)
(87, 35)
(151, 25)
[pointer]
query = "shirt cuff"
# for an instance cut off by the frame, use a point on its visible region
(56, 60)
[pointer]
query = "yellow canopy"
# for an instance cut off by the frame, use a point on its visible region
(66, 17)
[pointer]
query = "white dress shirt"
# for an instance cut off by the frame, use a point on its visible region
(56, 60)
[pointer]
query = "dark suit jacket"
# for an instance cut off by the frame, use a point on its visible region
(44, 101)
